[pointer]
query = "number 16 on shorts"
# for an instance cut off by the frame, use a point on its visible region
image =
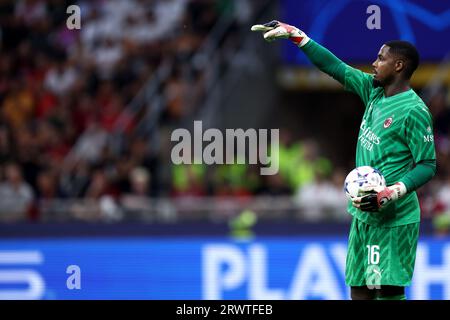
(373, 254)
(373, 272)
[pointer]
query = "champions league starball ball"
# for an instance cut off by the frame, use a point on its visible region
(361, 177)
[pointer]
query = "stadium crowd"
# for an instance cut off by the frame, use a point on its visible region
(62, 93)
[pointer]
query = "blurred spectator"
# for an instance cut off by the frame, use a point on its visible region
(336, 201)
(91, 143)
(30, 11)
(300, 161)
(18, 105)
(16, 195)
(235, 180)
(101, 196)
(60, 78)
(323, 199)
(441, 217)
(187, 180)
(443, 195)
(274, 185)
(100, 185)
(437, 103)
(74, 178)
(106, 56)
(47, 186)
(137, 200)
(5, 144)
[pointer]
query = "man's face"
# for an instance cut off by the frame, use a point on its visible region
(384, 68)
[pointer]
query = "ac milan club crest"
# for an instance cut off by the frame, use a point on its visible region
(387, 123)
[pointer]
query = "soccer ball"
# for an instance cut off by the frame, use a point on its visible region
(360, 177)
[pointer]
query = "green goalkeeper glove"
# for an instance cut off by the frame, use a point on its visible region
(278, 30)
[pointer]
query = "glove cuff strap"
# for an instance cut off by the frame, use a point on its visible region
(299, 39)
(399, 188)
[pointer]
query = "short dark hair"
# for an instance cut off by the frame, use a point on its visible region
(408, 52)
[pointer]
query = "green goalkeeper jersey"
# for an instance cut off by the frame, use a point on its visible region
(396, 132)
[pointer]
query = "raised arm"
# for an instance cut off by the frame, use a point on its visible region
(352, 79)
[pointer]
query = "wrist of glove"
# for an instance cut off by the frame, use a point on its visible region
(374, 199)
(278, 30)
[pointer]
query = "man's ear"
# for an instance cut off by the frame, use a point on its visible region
(399, 65)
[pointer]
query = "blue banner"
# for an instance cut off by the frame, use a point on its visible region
(354, 30)
(197, 268)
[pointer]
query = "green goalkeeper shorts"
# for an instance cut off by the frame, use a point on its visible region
(379, 256)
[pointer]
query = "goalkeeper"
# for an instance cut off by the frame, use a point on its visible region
(396, 137)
